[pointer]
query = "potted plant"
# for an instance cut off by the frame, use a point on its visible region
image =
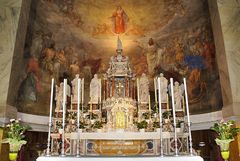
(72, 116)
(15, 137)
(179, 127)
(146, 115)
(59, 127)
(166, 116)
(156, 125)
(82, 126)
(142, 125)
(226, 133)
(97, 125)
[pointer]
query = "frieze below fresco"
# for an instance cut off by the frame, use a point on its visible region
(78, 37)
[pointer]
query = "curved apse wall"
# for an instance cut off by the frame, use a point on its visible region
(69, 37)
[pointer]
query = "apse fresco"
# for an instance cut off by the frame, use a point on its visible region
(66, 37)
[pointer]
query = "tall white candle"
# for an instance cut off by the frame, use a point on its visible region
(50, 119)
(167, 103)
(78, 116)
(149, 103)
(82, 93)
(155, 89)
(160, 115)
(188, 117)
(63, 117)
(78, 104)
(138, 94)
(174, 116)
(100, 91)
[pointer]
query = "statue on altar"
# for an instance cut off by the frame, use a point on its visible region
(75, 88)
(144, 89)
(163, 88)
(178, 95)
(95, 90)
(59, 97)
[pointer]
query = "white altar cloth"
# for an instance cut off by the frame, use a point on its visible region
(139, 158)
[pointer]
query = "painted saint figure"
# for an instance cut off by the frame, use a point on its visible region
(144, 89)
(120, 20)
(95, 90)
(152, 58)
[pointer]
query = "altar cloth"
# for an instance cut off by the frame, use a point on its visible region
(137, 158)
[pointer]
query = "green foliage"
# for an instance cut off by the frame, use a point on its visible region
(166, 114)
(97, 125)
(82, 125)
(59, 124)
(178, 124)
(156, 125)
(72, 115)
(146, 115)
(142, 125)
(225, 130)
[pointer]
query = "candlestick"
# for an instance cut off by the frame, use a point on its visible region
(149, 103)
(155, 89)
(138, 94)
(78, 118)
(64, 110)
(174, 117)
(50, 119)
(188, 117)
(167, 103)
(90, 108)
(160, 115)
(183, 104)
(71, 103)
(100, 91)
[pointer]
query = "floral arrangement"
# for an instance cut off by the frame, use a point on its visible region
(226, 133)
(225, 130)
(15, 135)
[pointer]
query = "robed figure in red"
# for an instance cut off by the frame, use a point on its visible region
(120, 20)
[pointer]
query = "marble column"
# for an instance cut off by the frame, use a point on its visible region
(226, 29)
(13, 27)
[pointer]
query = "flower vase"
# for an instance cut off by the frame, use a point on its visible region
(224, 147)
(13, 156)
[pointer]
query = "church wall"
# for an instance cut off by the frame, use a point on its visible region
(82, 37)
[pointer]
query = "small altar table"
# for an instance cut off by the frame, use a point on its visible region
(139, 158)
